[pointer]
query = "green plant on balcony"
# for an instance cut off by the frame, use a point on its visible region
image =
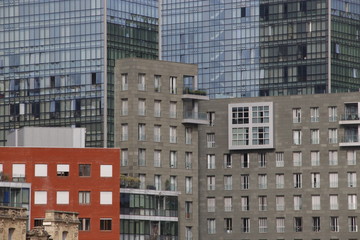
(129, 182)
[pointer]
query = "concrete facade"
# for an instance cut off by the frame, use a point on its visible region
(304, 187)
(156, 124)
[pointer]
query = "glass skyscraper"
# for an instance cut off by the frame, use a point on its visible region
(249, 48)
(57, 59)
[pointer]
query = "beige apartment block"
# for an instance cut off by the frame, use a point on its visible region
(13, 223)
(156, 124)
(280, 168)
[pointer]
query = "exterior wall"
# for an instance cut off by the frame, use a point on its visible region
(284, 125)
(52, 183)
(61, 225)
(47, 137)
(13, 223)
(132, 67)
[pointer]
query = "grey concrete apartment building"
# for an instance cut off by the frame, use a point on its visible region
(280, 168)
(156, 124)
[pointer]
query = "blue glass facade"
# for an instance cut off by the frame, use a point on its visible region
(259, 48)
(56, 61)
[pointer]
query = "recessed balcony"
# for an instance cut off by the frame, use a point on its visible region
(350, 119)
(189, 93)
(195, 118)
(350, 141)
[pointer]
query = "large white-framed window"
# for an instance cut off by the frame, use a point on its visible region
(315, 136)
(106, 198)
(41, 170)
(173, 159)
(352, 179)
(172, 112)
(351, 157)
(157, 158)
(18, 172)
(315, 202)
(334, 202)
(262, 203)
(352, 201)
(333, 180)
(62, 197)
(315, 158)
(211, 161)
(332, 114)
(227, 204)
(297, 159)
(227, 182)
(280, 180)
(262, 180)
(280, 224)
(40, 197)
(279, 159)
(296, 115)
(280, 203)
(333, 135)
(263, 226)
(314, 114)
(211, 204)
(157, 108)
(333, 158)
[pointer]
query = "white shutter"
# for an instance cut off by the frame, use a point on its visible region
(40, 170)
(62, 197)
(40, 197)
(18, 170)
(105, 170)
(105, 197)
(63, 167)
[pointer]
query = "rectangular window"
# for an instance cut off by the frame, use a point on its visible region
(245, 181)
(124, 132)
(141, 132)
(297, 202)
(245, 160)
(263, 228)
(315, 202)
(211, 225)
(296, 115)
(280, 203)
(172, 112)
(352, 179)
(279, 158)
(297, 180)
(315, 158)
(297, 137)
(141, 82)
(211, 118)
(173, 135)
(352, 222)
(141, 107)
(314, 114)
(333, 180)
(40, 170)
(297, 159)
(333, 136)
(227, 182)
(334, 202)
(280, 225)
(188, 185)
(262, 180)
(157, 133)
(157, 182)
(211, 183)
(173, 159)
(315, 136)
(227, 161)
(227, 204)
(105, 170)
(352, 201)
(280, 180)
(332, 114)
(18, 172)
(262, 203)
(157, 108)
(188, 160)
(262, 159)
(261, 135)
(141, 157)
(172, 85)
(211, 204)
(188, 135)
(157, 158)
(62, 169)
(298, 224)
(315, 180)
(62, 197)
(84, 197)
(228, 225)
(84, 170)
(124, 107)
(188, 233)
(124, 157)
(124, 82)
(210, 139)
(333, 158)
(157, 83)
(351, 157)
(84, 224)
(316, 224)
(106, 198)
(188, 209)
(40, 197)
(211, 161)
(245, 225)
(105, 224)
(334, 224)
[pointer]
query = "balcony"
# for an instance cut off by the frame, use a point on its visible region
(195, 118)
(190, 93)
(350, 141)
(349, 119)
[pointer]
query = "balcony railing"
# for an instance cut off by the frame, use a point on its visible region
(195, 115)
(149, 212)
(195, 92)
(349, 117)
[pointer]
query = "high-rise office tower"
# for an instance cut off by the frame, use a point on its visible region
(57, 59)
(250, 48)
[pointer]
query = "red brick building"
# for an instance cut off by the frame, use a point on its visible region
(83, 180)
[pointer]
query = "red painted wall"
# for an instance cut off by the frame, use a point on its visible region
(72, 183)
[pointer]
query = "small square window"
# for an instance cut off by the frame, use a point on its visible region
(62, 170)
(84, 224)
(105, 224)
(84, 197)
(62, 197)
(84, 170)
(40, 197)
(38, 222)
(40, 170)
(105, 170)
(106, 198)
